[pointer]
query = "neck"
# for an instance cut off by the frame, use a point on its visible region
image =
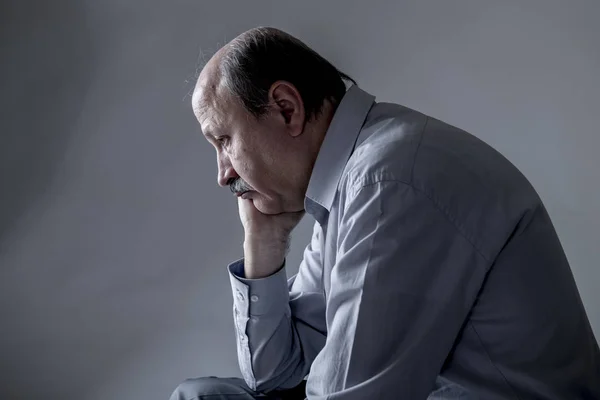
(320, 127)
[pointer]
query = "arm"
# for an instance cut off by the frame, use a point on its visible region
(403, 284)
(282, 330)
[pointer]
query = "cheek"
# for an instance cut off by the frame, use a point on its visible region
(252, 159)
(242, 161)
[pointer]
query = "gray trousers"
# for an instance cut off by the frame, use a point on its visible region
(214, 388)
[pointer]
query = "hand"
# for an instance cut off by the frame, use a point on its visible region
(266, 238)
(266, 226)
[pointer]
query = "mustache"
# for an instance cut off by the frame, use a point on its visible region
(238, 185)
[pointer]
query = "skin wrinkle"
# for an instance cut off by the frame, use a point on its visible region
(271, 156)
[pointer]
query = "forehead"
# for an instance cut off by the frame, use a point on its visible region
(217, 110)
(206, 107)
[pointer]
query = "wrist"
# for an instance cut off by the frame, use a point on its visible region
(263, 258)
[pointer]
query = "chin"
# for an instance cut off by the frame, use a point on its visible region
(267, 207)
(273, 206)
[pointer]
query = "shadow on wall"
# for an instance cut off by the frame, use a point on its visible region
(47, 62)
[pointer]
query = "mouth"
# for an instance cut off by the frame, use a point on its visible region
(241, 194)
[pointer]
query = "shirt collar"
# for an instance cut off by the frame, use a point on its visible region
(335, 151)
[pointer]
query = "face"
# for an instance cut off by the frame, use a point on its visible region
(259, 159)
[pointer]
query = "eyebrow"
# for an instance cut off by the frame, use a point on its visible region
(209, 136)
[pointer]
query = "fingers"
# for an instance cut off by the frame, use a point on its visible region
(277, 224)
(248, 212)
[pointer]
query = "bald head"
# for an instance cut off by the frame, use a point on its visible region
(209, 84)
(210, 80)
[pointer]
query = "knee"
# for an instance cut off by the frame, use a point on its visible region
(196, 387)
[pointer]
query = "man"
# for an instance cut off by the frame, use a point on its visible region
(434, 270)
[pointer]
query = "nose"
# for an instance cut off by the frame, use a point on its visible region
(226, 173)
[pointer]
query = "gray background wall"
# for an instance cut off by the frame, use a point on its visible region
(113, 234)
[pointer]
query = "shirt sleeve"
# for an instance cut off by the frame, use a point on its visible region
(404, 281)
(280, 324)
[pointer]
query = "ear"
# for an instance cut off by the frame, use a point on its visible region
(289, 104)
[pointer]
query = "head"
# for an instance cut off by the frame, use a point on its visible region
(265, 101)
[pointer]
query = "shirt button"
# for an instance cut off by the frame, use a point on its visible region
(254, 319)
(254, 298)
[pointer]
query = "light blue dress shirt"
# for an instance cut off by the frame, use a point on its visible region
(431, 257)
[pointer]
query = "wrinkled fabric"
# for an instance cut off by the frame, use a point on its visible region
(432, 257)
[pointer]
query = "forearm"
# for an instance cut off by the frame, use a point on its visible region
(279, 325)
(269, 350)
(263, 257)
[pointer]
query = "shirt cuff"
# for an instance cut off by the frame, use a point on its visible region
(255, 297)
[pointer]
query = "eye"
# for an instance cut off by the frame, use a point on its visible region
(222, 140)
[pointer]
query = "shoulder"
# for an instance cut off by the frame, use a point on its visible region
(480, 191)
(386, 146)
